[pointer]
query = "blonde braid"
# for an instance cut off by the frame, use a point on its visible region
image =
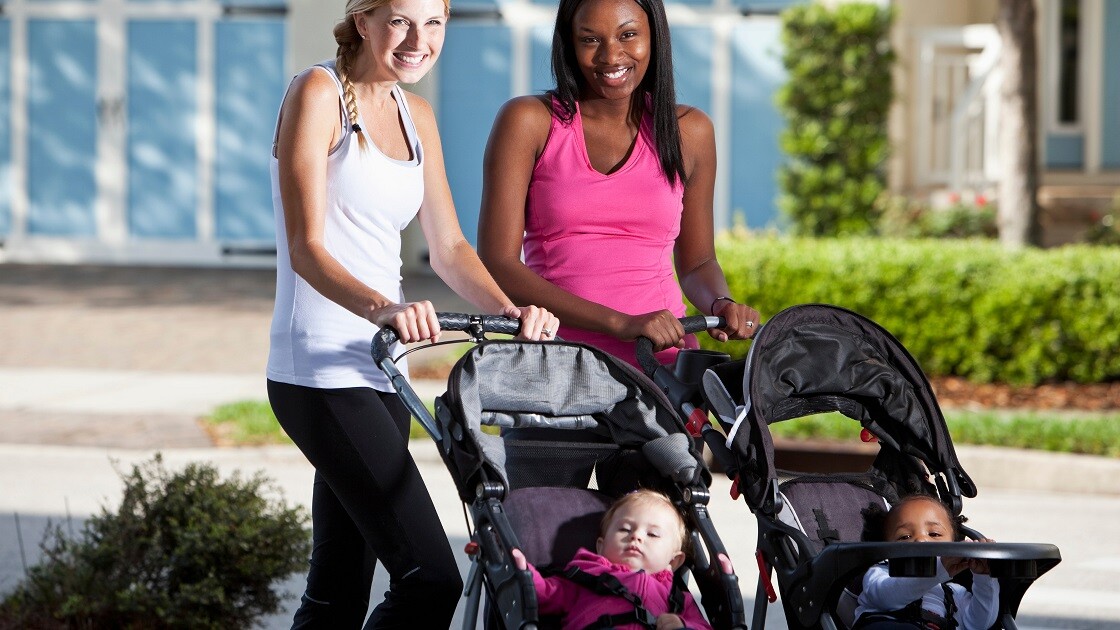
(349, 42)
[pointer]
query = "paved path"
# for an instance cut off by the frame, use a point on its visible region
(104, 366)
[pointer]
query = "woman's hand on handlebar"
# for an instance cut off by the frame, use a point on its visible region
(413, 321)
(742, 321)
(537, 323)
(661, 327)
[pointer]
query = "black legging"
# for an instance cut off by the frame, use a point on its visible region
(369, 503)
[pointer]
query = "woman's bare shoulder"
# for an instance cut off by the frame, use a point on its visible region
(525, 121)
(312, 96)
(531, 110)
(693, 120)
(418, 106)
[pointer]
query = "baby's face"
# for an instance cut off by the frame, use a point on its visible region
(922, 520)
(645, 537)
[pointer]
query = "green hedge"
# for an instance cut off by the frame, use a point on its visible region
(835, 105)
(962, 307)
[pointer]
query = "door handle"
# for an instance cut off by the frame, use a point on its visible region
(110, 110)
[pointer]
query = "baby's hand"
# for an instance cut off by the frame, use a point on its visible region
(979, 566)
(669, 621)
(954, 565)
(519, 560)
(725, 564)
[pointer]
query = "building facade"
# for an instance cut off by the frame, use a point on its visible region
(137, 131)
(945, 127)
(132, 131)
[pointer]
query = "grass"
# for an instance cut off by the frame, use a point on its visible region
(1084, 433)
(251, 423)
(245, 423)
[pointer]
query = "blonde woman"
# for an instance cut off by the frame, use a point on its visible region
(355, 159)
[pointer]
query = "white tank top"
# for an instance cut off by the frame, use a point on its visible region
(370, 198)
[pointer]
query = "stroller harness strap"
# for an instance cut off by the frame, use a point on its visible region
(607, 584)
(915, 614)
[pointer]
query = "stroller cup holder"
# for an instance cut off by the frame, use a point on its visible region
(913, 567)
(691, 363)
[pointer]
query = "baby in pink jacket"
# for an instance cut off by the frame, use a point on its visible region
(641, 543)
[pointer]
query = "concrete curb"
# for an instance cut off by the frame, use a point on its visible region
(1040, 471)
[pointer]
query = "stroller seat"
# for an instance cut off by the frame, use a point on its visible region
(828, 510)
(552, 523)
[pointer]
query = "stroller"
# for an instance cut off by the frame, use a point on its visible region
(638, 440)
(812, 359)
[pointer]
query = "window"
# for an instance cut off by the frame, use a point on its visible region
(1069, 62)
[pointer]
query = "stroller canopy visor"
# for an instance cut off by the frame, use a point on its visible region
(557, 385)
(815, 358)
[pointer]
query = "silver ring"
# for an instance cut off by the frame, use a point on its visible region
(546, 332)
(750, 324)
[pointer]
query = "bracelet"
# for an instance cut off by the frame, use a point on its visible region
(712, 308)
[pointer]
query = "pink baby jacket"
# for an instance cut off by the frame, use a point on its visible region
(581, 606)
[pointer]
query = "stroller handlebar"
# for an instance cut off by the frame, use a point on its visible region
(475, 324)
(383, 340)
(693, 324)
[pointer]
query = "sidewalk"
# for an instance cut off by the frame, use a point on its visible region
(104, 366)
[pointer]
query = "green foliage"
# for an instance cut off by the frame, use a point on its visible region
(1106, 229)
(964, 307)
(1084, 434)
(184, 550)
(835, 104)
(906, 218)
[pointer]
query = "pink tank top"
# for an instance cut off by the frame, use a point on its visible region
(605, 238)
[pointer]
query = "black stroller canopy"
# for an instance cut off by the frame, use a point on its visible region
(556, 385)
(816, 358)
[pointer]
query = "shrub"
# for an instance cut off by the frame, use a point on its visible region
(907, 218)
(1105, 230)
(835, 104)
(184, 550)
(964, 307)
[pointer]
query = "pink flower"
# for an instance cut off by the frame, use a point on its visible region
(981, 201)
(954, 197)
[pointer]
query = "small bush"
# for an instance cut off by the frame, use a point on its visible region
(184, 550)
(1106, 229)
(835, 105)
(900, 217)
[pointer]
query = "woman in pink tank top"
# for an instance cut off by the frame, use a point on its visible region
(606, 184)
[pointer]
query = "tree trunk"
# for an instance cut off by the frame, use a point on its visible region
(1018, 215)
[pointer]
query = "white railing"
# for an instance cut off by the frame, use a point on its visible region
(957, 107)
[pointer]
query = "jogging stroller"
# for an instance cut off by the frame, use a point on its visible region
(812, 359)
(564, 387)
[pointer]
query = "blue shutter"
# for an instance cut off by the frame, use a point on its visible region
(755, 121)
(473, 83)
(250, 85)
(62, 127)
(162, 150)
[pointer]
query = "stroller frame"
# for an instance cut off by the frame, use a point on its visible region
(916, 454)
(484, 487)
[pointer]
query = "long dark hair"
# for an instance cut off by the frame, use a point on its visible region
(658, 81)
